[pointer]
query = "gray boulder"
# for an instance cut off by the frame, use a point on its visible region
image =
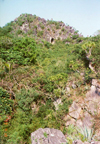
(48, 136)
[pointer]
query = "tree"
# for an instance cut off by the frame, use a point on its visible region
(87, 47)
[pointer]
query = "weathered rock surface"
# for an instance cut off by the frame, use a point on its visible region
(80, 142)
(97, 134)
(75, 110)
(51, 30)
(82, 112)
(92, 99)
(57, 103)
(53, 136)
(69, 121)
(48, 136)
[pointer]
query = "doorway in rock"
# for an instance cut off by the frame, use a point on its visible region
(52, 40)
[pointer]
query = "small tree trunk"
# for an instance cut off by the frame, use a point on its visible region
(91, 67)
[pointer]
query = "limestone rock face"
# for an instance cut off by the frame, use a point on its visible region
(48, 136)
(93, 98)
(83, 113)
(51, 30)
(57, 103)
(80, 142)
(88, 120)
(69, 121)
(75, 110)
(97, 134)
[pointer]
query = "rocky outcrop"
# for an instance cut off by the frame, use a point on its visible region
(48, 136)
(49, 30)
(85, 113)
(57, 103)
(80, 142)
(53, 136)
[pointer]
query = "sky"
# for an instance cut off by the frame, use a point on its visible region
(83, 15)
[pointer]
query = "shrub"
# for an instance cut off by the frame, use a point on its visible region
(57, 93)
(87, 76)
(25, 98)
(5, 30)
(6, 104)
(20, 128)
(79, 39)
(75, 36)
(39, 33)
(58, 38)
(63, 29)
(53, 30)
(23, 51)
(76, 32)
(44, 110)
(19, 31)
(67, 40)
(60, 33)
(47, 44)
(48, 29)
(5, 43)
(41, 25)
(49, 86)
(51, 22)
(58, 77)
(34, 16)
(30, 32)
(20, 22)
(35, 27)
(58, 26)
(64, 108)
(29, 19)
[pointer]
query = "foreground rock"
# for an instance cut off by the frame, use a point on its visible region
(82, 113)
(80, 142)
(53, 136)
(48, 136)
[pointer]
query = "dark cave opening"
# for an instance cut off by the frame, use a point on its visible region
(52, 40)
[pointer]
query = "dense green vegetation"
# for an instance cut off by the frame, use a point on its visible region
(18, 50)
(33, 75)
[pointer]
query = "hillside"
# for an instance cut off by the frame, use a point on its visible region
(34, 26)
(46, 70)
